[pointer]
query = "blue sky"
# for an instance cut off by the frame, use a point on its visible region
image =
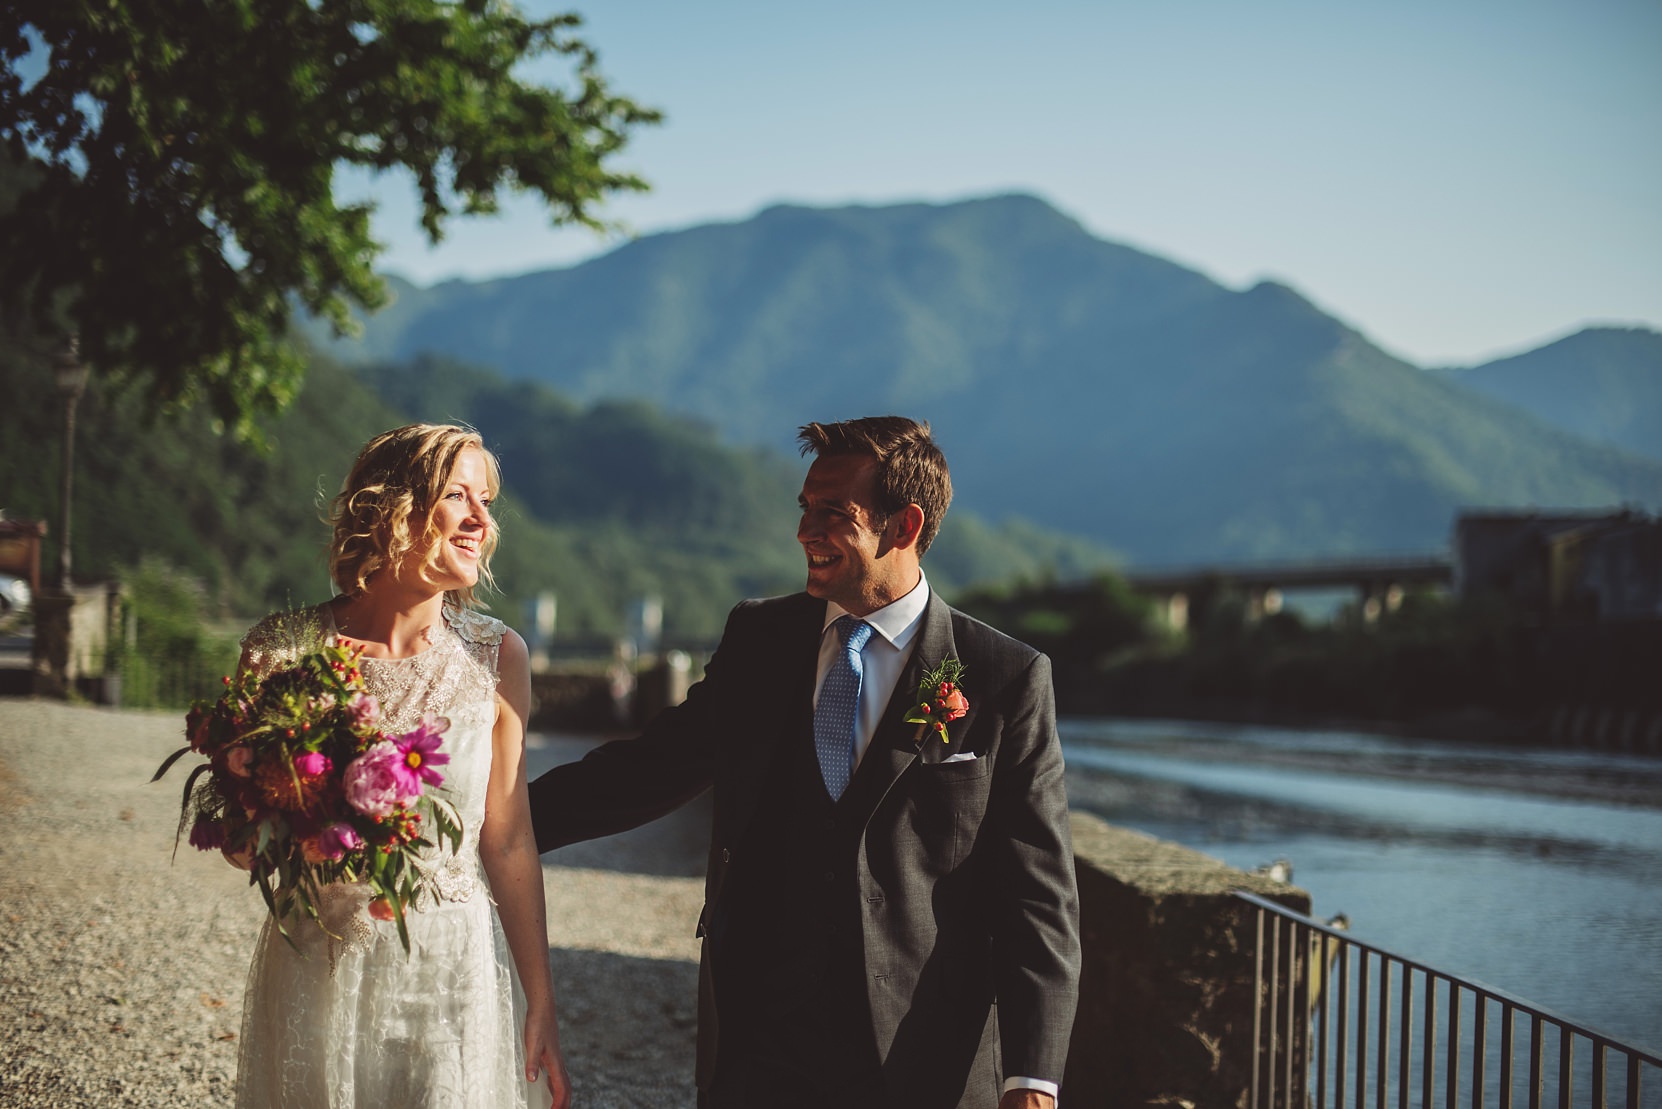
(1457, 179)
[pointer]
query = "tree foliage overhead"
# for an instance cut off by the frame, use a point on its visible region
(186, 154)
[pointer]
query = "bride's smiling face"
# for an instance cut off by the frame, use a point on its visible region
(461, 521)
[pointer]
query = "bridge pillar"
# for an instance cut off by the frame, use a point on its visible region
(1263, 601)
(1379, 598)
(1177, 611)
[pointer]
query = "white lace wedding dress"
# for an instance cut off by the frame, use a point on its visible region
(355, 1021)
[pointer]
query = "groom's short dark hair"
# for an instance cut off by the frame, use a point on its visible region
(910, 468)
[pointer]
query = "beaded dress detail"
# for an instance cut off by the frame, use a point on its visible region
(350, 1020)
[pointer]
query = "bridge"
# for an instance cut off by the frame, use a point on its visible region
(1379, 581)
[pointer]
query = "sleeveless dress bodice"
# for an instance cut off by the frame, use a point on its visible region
(349, 1019)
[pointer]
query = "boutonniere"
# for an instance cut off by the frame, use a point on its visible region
(940, 701)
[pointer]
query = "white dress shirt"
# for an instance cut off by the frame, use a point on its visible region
(895, 628)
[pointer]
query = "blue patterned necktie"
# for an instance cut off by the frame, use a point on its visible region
(839, 703)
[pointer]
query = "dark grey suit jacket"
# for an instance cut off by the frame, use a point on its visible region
(965, 867)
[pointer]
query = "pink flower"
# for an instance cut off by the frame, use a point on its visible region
(313, 763)
(364, 708)
(373, 782)
(419, 751)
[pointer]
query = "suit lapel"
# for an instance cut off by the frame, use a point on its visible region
(892, 747)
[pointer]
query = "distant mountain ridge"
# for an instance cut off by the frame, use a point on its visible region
(1602, 383)
(1081, 384)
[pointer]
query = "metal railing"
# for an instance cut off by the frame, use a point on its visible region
(1345, 1024)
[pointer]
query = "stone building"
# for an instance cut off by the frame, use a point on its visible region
(1556, 568)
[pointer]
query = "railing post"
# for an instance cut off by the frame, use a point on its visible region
(1480, 1019)
(1362, 1031)
(1535, 1062)
(1257, 1006)
(1566, 1067)
(1298, 1013)
(1407, 1036)
(1382, 1062)
(1323, 1003)
(1452, 1085)
(1275, 1000)
(1341, 1064)
(1509, 1020)
(1428, 1041)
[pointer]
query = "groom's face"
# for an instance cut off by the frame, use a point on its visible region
(850, 560)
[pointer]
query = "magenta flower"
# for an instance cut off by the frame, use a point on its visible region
(373, 782)
(331, 843)
(419, 754)
(341, 836)
(313, 763)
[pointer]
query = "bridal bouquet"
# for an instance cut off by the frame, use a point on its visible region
(303, 788)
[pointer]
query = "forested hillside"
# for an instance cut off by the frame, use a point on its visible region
(1602, 383)
(602, 505)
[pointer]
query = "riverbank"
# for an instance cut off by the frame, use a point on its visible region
(1566, 726)
(121, 973)
(1485, 764)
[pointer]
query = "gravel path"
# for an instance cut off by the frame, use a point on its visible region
(121, 974)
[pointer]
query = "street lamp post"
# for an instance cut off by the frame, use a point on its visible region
(71, 377)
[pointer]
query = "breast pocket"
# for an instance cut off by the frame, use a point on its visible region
(948, 801)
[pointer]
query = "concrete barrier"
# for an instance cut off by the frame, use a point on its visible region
(1167, 986)
(73, 630)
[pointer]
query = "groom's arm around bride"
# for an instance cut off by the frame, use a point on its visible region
(890, 911)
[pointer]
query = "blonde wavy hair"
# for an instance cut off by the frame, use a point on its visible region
(384, 509)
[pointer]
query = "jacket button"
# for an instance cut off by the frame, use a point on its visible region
(726, 855)
(830, 876)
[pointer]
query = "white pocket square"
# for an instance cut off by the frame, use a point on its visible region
(961, 756)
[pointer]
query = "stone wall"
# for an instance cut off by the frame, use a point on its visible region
(1167, 987)
(575, 702)
(72, 632)
(610, 699)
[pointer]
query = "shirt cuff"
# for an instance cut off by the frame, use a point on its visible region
(1038, 1084)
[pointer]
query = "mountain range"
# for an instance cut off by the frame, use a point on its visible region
(1604, 384)
(1074, 383)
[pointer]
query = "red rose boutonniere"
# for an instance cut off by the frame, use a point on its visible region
(940, 701)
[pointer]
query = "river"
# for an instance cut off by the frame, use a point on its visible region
(1534, 871)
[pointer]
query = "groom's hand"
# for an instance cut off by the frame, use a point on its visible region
(1026, 1099)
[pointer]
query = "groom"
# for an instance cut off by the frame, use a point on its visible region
(890, 913)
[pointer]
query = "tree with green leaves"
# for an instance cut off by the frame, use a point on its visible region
(175, 162)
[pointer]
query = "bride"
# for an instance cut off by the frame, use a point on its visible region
(466, 1018)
